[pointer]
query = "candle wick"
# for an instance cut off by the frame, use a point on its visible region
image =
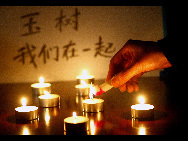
(74, 115)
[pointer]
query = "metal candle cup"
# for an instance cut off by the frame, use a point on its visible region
(82, 90)
(142, 114)
(26, 113)
(76, 125)
(88, 80)
(142, 111)
(49, 100)
(93, 105)
(39, 88)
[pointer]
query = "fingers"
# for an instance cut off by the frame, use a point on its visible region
(123, 88)
(130, 86)
(122, 78)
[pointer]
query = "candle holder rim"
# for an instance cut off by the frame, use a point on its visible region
(84, 77)
(86, 86)
(101, 100)
(56, 96)
(34, 108)
(68, 118)
(35, 85)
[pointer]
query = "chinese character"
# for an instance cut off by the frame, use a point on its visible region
(103, 50)
(75, 15)
(46, 53)
(32, 29)
(68, 52)
(57, 53)
(26, 51)
(62, 20)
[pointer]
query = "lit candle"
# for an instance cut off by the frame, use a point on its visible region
(83, 88)
(25, 113)
(49, 100)
(39, 88)
(86, 77)
(92, 104)
(76, 124)
(142, 111)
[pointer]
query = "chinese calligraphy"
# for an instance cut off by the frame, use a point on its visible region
(31, 28)
(103, 50)
(63, 20)
(45, 52)
(67, 51)
(26, 51)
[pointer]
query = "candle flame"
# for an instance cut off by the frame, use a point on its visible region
(91, 91)
(83, 82)
(23, 102)
(74, 115)
(84, 73)
(46, 93)
(141, 100)
(41, 80)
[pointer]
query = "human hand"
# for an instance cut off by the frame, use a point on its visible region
(132, 61)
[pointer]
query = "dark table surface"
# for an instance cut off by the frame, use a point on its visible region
(114, 120)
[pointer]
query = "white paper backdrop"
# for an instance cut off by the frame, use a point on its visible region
(58, 42)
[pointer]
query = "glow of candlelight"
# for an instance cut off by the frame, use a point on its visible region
(85, 75)
(74, 115)
(142, 131)
(41, 80)
(23, 102)
(142, 105)
(83, 83)
(141, 100)
(46, 93)
(92, 127)
(47, 116)
(25, 131)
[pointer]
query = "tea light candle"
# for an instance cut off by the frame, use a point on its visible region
(39, 88)
(142, 111)
(83, 88)
(49, 100)
(25, 113)
(76, 124)
(92, 104)
(86, 77)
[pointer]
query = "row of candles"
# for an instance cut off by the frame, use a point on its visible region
(76, 123)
